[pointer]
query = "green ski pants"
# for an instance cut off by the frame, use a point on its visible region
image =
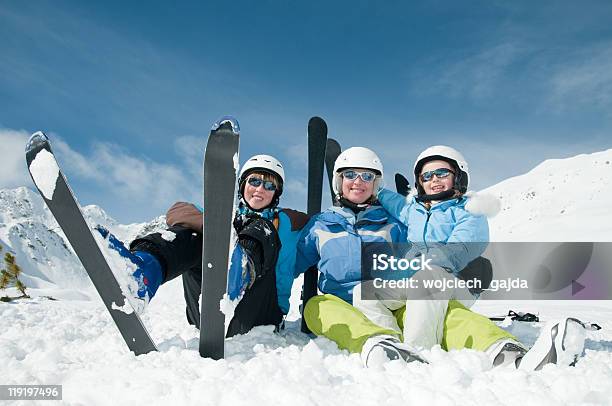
(332, 317)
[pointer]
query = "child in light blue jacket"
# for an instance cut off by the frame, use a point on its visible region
(442, 229)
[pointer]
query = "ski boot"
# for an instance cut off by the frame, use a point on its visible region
(147, 277)
(561, 342)
(380, 349)
(506, 352)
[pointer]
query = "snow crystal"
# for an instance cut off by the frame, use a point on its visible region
(126, 308)
(209, 265)
(168, 235)
(236, 162)
(45, 171)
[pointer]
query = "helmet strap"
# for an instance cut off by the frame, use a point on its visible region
(272, 206)
(356, 208)
(447, 194)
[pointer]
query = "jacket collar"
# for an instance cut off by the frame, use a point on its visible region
(373, 214)
(441, 205)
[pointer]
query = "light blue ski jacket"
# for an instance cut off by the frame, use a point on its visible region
(332, 241)
(462, 235)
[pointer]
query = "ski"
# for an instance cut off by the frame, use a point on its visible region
(534, 318)
(317, 141)
(517, 316)
(220, 168)
(402, 186)
(55, 191)
(332, 150)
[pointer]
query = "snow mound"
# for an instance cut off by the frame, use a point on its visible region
(75, 344)
(559, 200)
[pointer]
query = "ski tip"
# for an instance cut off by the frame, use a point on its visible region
(332, 142)
(36, 139)
(318, 121)
(228, 121)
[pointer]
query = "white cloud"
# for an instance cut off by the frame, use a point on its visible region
(127, 177)
(294, 194)
(110, 173)
(477, 74)
(585, 78)
(13, 170)
(190, 150)
(551, 80)
(298, 155)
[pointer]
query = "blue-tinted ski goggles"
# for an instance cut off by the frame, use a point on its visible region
(440, 174)
(267, 184)
(366, 176)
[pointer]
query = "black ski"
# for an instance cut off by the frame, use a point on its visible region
(220, 166)
(332, 151)
(53, 187)
(402, 186)
(534, 318)
(317, 140)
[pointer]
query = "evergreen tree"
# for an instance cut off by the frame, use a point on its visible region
(10, 275)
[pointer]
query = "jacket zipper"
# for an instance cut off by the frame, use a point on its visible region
(425, 228)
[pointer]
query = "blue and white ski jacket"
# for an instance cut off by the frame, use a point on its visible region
(463, 235)
(332, 241)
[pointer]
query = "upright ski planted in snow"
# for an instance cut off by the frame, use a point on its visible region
(220, 166)
(54, 189)
(332, 151)
(317, 140)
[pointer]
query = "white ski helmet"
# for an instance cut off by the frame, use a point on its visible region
(450, 155)
(357, 157)
(265, 163)
(262, 163)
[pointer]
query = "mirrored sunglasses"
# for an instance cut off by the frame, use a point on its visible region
(440, 174)
(267, 184)
(366, 176)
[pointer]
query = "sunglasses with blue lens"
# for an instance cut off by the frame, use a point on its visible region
(366, 176)
(440, 174)
(267, 184)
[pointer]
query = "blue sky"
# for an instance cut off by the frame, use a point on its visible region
(128, 90)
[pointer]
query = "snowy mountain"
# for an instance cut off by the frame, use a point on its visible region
(29, 231)
(75, 343)
(558, 200)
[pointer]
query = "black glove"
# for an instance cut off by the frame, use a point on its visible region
(260, 241)
(479, 269)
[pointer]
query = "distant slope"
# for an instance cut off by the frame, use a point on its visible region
(558, 200)
(28, 230)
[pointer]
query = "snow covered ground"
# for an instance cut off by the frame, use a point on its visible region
(75, 343)
(72, 341)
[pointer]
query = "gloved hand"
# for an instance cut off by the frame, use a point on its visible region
(260, 241)
(186, 215)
